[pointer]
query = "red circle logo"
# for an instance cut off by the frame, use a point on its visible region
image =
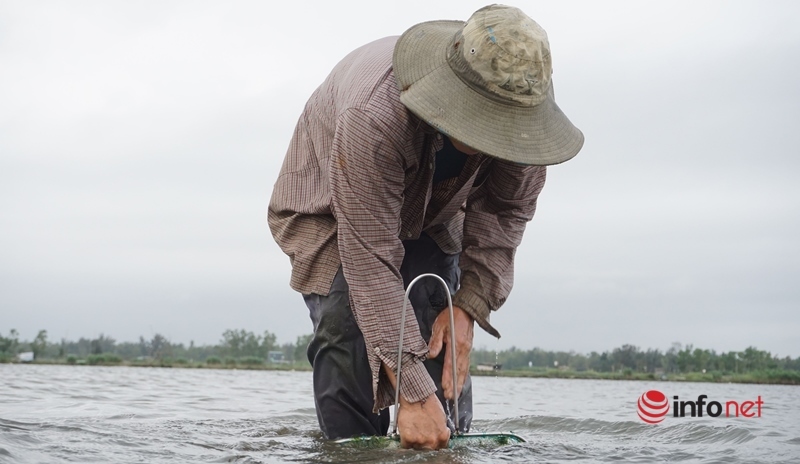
(653, 406)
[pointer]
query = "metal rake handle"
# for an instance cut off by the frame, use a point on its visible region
(400, 351)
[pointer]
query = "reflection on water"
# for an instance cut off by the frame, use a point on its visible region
(123, 414)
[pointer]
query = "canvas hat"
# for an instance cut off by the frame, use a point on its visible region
(488, 84)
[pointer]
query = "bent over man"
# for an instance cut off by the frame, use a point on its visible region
(419, 154)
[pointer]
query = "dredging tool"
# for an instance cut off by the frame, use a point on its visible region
(457, 438)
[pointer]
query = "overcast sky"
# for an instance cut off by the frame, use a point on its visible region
(139, 143)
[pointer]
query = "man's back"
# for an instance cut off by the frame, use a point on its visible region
(301, 216)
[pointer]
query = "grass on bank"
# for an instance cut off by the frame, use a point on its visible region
(213, 362)
(767, 376)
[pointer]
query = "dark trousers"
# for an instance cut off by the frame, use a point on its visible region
(338, 355)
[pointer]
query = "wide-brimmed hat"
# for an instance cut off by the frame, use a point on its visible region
(488, 84)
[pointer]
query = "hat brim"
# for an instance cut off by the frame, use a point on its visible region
(534, 135)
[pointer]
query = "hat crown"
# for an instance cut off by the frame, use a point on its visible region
(504, 54)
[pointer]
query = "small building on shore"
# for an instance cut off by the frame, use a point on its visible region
(489, 367)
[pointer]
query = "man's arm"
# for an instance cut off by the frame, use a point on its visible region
(367, 178)
(494, 224)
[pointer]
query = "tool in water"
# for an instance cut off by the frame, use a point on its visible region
(457, 438)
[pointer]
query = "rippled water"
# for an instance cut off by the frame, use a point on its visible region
(121, 414)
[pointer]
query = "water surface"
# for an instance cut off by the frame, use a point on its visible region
(53, 414)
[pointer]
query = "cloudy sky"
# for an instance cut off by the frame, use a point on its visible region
(139, 142)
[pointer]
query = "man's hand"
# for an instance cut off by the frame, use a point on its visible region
(465, 330)
(422, 425)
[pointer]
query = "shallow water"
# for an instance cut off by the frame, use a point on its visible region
(51, 414)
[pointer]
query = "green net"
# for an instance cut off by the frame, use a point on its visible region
(476, 439)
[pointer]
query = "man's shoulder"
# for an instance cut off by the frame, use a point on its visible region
(364, 81)
(374, 56)
(356, 77)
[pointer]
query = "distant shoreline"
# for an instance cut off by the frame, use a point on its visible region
(767, 377)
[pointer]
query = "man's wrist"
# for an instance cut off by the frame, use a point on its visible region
(416, 384)
(459, 312)
(473, 303)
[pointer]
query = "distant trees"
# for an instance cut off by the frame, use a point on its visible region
(236, 346)
(240, 346)
(241, 343)
(158, 347)
(9, 345)
(102, 344)
(301, 347)
(676, 360)
(39, 344)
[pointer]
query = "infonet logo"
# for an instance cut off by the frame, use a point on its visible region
(653, 406)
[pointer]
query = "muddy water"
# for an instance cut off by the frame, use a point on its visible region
(52, 414)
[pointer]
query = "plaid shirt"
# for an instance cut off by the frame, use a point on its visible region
(357, 181)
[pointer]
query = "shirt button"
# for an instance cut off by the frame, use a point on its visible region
(377, 350)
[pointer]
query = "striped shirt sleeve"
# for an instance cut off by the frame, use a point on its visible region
(495, 220)
(367, 178)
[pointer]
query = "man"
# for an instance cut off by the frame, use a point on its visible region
(418, 154)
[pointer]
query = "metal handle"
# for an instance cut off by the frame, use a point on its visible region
(452, 349)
